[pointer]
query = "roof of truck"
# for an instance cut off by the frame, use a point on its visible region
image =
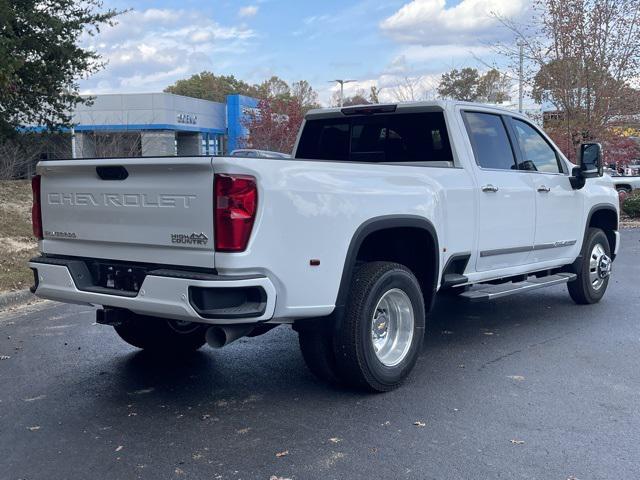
(403, 106)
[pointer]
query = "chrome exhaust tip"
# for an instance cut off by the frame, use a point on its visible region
(221, 336)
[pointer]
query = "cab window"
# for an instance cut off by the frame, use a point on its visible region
(537, 154)
(490, 142)
(381, 138)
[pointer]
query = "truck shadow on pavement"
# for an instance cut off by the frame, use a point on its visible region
(271, 364)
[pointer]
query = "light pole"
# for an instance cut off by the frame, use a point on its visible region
(520, 75)
(342, 82)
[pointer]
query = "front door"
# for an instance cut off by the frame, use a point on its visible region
(558, 206)
(505, 196)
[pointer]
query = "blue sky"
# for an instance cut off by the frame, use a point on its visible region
(376, 42)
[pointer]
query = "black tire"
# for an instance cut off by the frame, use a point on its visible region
(159, 335)
(581, 290)
(316, 344)
(356, 360)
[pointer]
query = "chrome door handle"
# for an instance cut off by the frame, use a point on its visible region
(544, 189)
(490, 188)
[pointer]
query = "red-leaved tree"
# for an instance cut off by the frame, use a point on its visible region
(619, 150)
(274, 124)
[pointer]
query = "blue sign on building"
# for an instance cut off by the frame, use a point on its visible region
(238, 108)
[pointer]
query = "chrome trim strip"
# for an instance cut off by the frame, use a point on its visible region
(546, 246)
(542, 246)
(505, 251)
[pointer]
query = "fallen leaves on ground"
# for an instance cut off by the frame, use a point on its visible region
(517, 442)
(335, 440)
(518, 378)
(33, 399)
(143, 391)
(420, 424)
(34, 428)
(282, 454)
(120, 447)
(4, 357)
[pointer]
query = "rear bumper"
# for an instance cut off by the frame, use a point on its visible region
(179, 295)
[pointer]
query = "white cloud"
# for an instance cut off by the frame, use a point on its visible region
(150, 49)
(431, 22)
(249, 11)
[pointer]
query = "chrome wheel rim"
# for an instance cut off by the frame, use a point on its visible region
(392, 327)
(599, 266)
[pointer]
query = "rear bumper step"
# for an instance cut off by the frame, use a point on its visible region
(486, 293)
(188, 296)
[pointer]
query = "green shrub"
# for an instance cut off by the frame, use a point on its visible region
(631, 205)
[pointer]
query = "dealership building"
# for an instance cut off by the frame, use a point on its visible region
(158, 124)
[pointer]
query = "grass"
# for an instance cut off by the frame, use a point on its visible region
(17, 244)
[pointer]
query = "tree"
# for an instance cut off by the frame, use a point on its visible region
(493, 87)
(41, 62)
(359, 98)
(409, 89)
(303, 93)
(274, 87)
(582, 57)
(208, 86)
(274, 124)
(460, 84)
(374, 94)
(469, 85)
(18, 155)
(620, 151)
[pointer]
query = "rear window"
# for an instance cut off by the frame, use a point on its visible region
(401, 137)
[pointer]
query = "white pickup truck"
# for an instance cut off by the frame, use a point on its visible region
(380, 208)
(625, 184)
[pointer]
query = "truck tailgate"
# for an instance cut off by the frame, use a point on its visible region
(161, 213)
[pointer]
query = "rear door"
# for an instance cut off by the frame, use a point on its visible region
(558, 205)
(151, 210)
(505, 197)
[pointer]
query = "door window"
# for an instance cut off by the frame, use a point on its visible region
(491, 145)
(537, 154)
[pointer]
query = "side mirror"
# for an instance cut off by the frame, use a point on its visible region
(590, 160)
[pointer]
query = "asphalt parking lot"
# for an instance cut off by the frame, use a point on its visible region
(531, 387)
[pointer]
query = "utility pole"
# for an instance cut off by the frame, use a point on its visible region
(520, 75)
(341, 82)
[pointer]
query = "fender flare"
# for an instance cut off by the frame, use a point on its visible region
(384, 223)
(576, 265)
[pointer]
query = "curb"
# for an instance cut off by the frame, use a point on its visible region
(14, 298)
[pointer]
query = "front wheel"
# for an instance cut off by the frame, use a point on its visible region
(593, 276)
(159, 335)
(378, 340)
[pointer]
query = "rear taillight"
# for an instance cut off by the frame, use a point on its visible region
(236, 202)
(36, 208)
